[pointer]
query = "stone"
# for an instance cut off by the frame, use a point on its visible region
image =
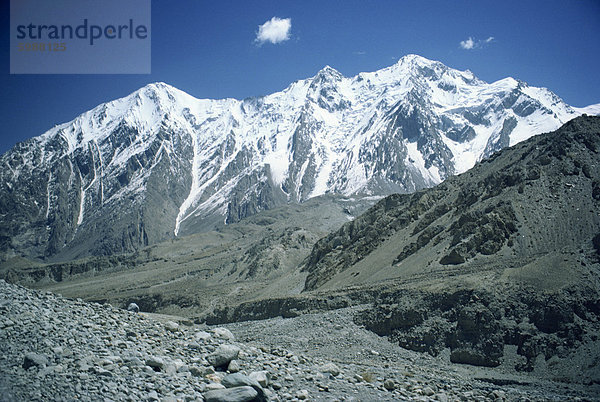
(233, 366)
(134, 361)
(302, 394)
(194, 346)
(240, 380)
(223, 333)
(99, 371)
(237, 394)
(330, 368)
(428, 391)
(223, 355)
(155, 362)
(389, 385)
(214, 377)
(202, 336)
(134, 308)
(170, 369)
(171, 326)
(441, 397)
(262, 377)
(214, 385)
(32, 359)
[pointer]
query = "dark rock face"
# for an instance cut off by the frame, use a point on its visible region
(476, 326)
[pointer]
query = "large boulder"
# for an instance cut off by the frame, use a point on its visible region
(223, 355)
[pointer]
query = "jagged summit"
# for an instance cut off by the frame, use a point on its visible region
(164, 162)
(328, 70)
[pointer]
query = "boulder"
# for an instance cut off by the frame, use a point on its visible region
(237, 394)
(240, 380)
(223, 355)
(330, 368)
(155, 362)
(32, 359)
(223, 333)
(171, 326)
(262, 377)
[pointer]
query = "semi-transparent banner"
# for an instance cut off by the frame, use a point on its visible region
(80, 37)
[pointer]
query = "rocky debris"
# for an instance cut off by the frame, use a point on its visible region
(134, 308)
(378, 370)
(86, 351)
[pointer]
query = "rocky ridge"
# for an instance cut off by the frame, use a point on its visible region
(531, 201)
(58, 349)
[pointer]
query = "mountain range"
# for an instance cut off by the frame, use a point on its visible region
(160, 163)
(498, 266)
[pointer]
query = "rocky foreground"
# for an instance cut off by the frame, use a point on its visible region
(53, 348)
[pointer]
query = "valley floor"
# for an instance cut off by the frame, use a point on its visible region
(53, 348)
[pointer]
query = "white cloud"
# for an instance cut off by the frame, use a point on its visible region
(467, 44)
(276, 30)
(471, 43)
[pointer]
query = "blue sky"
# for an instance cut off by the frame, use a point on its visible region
(209, 49)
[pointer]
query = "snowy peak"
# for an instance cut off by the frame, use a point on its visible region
(327, 73)
(160, 162)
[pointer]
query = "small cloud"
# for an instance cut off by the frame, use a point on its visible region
(467, 44)
(471, 43)
(359, 53)
(276, 30)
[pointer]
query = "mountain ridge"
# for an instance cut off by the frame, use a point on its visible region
(169, 164)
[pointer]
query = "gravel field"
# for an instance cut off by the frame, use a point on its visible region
(61, 350)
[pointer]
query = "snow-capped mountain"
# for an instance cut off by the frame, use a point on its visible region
(160, 162)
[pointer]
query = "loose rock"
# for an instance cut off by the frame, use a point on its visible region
(223, 355)
(238, 394)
